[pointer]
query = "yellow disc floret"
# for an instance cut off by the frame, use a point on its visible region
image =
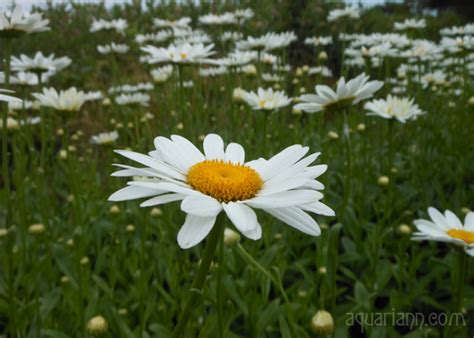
(464, 235)
(225, 181)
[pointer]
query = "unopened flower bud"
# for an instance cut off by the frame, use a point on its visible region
(322, 323)
(97, 326)
(231, 237)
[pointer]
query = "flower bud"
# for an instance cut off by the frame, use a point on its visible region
(361, 127)
(231, 237)
(323, 56)
(333, 135)
(156, 212)
(322, 323)
(36, 229)
(404, 229)
(114, 209)
(383, 181)
(97, 326)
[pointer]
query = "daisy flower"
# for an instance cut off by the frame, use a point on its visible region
(266, 99)
(184, 54)
(284, 186)
(446, 228)
(105, 138)
(64, 100)
(212, 19)
(8, 98)
(352, 92)
(180, 23)
(118, 48)
(133, 99)
(410, 24)
(40, 63)
(401, 109)
(118, 25)
(16, 23)
(349, 12)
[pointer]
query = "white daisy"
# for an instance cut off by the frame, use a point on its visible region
(40, 63)
(352, 92)
(180, 23)
(446, 228)
(410, 24)
(350, 12)
(133, 99)
(186, 53)
(64, 100)
(118, 48)
(284, 186)
(118, 25)
(401, 109)
(8, 98)
(265, 99)
(105, 138)
(16, 23)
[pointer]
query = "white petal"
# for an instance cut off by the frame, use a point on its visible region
(194, 230)
(163, 199)
(285, 199)
(213, 147)
(296, 218)
(319, 208)
(201, 205)
(244, 219)
(235, 153)
(133, 192)
(438, 219)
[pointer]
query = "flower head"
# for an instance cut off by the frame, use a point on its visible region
(266, 99)
(447, 228)
(402, 109)
(40, 63)
(64, 100)
(352, 92)
(284, 186)
(183, 53)
(16, 23)
(349, 12)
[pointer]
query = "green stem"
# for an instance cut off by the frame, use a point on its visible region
(5, 171)
(198, 284)
(276, 281)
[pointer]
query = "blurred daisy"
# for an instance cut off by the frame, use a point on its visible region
(267, 42)
(16, 23)
(318, 41)
(223, 19)
(118, 25)
(410, 24)
(40, 63)
(349, 12)
(265, 99)
(284, 186)
(446, 228)
(161, 23)
(8, 98)
(64, 100)
(244, 14)
(352, 92)
(185, 53)
(133, 99)
(401, 109)
(162, 74)
(105, 138)
(118, 48)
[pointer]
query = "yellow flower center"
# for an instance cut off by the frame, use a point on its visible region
(225, 181)
(464, 235)
(183, 55)
(262, 103)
